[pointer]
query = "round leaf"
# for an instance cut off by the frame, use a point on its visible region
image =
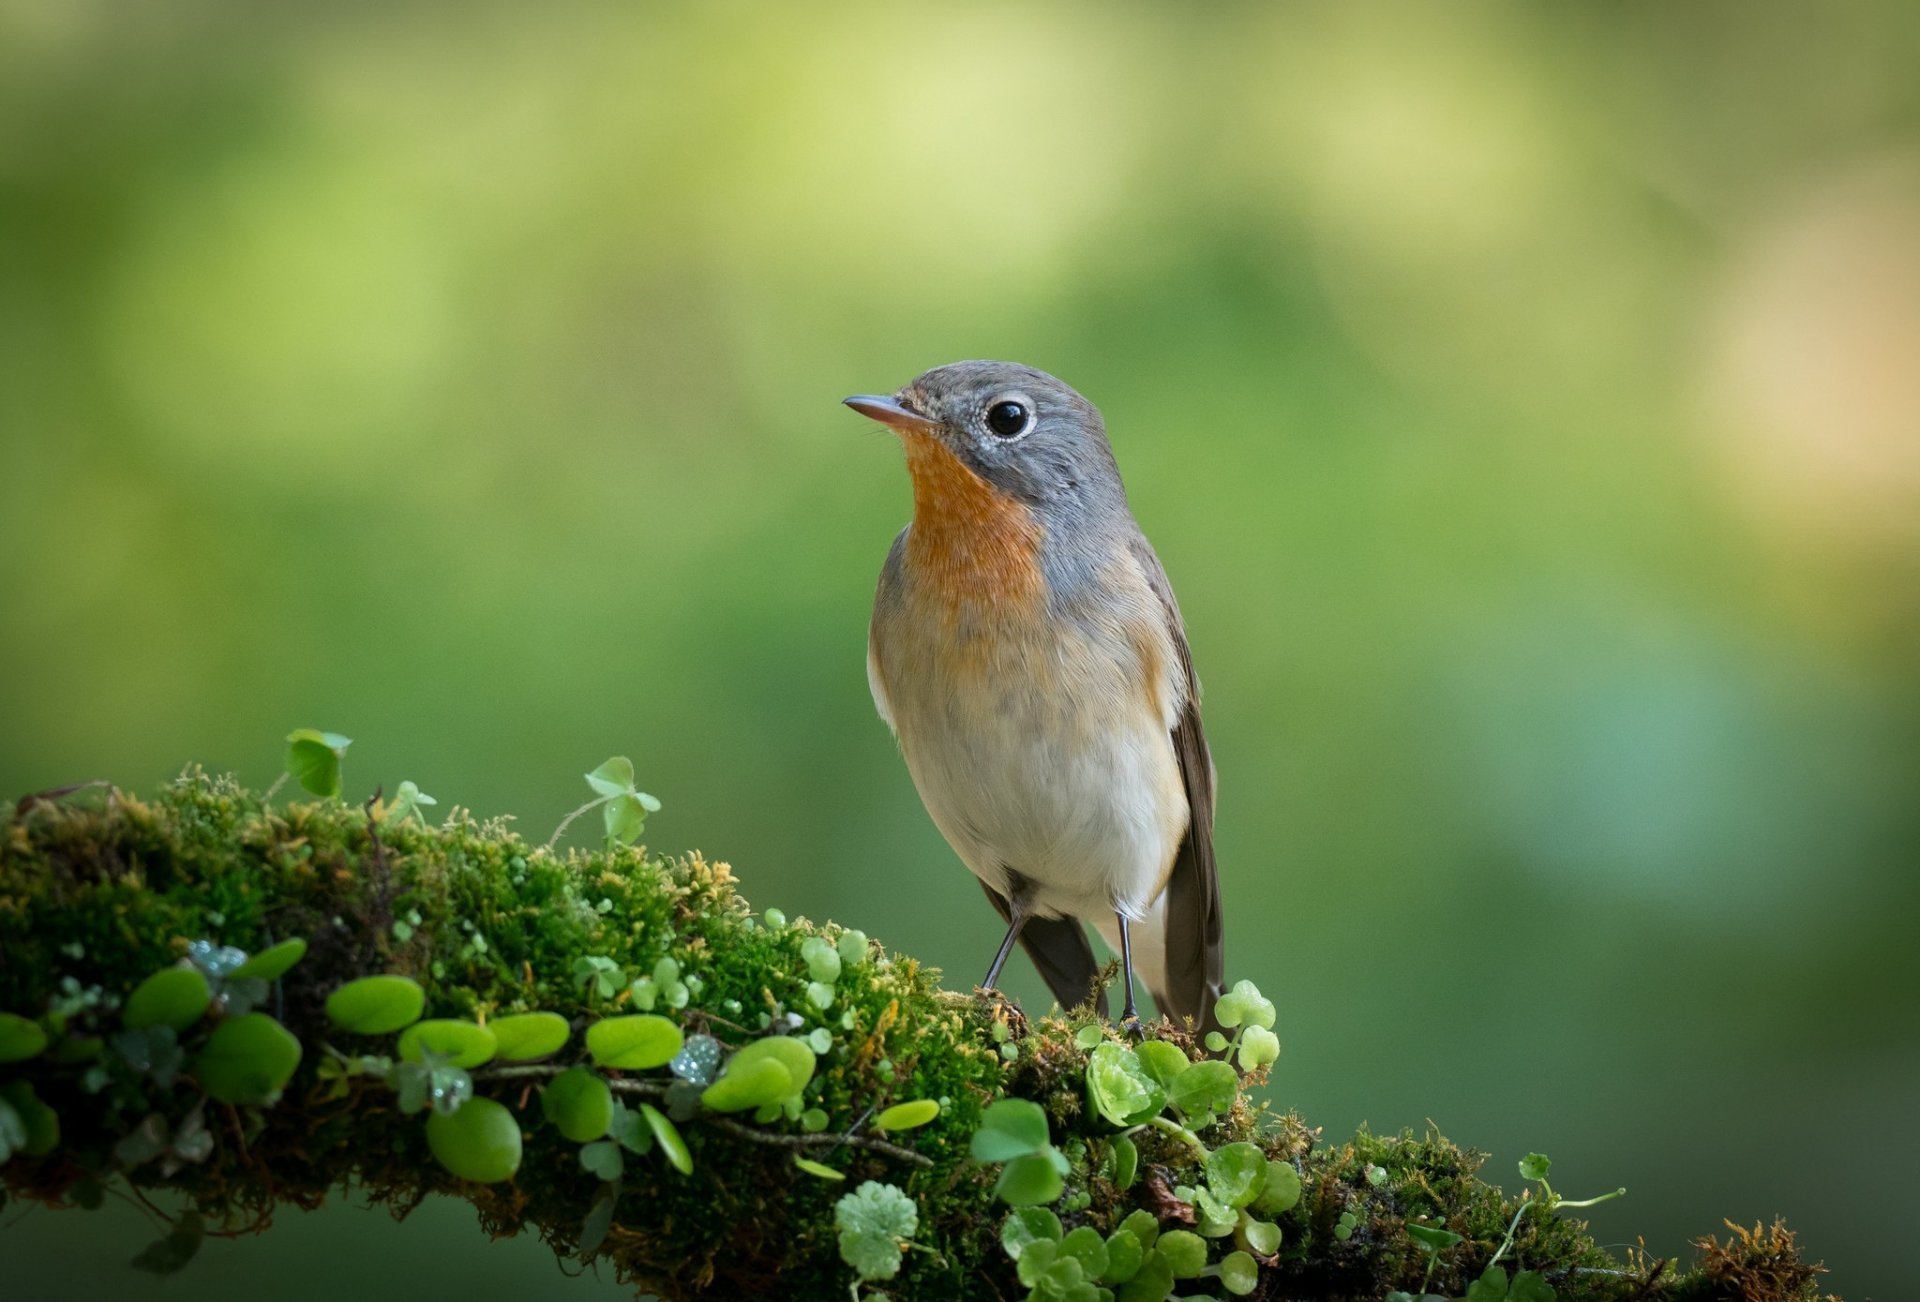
(456, 1043)
(906, 1116)
(1282, 1188)
(376, 1005)
(791, 1052)
(519, 1037)
(1025, 1226)
(1205, 1086)
(40, 1122)
(175, 997)
(635, 1042)
(1008, 1129)
(1534, 1166)
(273, 963)
(669, 1137)
(1162, 1061)
(1184, 1252)
(1087, 1247)
(20, 1039)
(1120, 1087)
(1029, 1180)
(749, 1085)
(1124, 1255)
(1126, 1162)
(1237, 1173)
(248, 1059)
(579, 1104)
(480, 1142)
(1239, 1274)
(613, 778)
(1263, 1237)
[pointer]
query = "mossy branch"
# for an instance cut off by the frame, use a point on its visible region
(100, 890)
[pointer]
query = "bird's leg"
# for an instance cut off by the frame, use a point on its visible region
(1130, 1015)
(1006, 948)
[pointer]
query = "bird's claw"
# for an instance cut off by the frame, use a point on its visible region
(1133, 1028)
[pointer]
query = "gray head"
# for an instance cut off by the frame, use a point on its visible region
(1025, 433)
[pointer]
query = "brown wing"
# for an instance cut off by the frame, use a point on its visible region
(1195, 962)
(1059, 948)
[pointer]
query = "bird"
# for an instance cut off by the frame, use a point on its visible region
(1027, 652)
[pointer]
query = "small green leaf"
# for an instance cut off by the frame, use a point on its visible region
(821, 958)
(248, 1059)
(20, 1039)
(820, 1169)
(376, 1005)
(169, 1255)
(1530, 1286)
(872, 1222)
(313, 757)
(579, 1104)
(1262, 1237)
(1126, 1161)
(480, 1142)
(634, 1042)
(906, 1116)
(1089, 1035)
(747, 1085)
(1120, 1087)
(1027, 1225)
(791, 1052)
(852, 947)
(1534, 1166)
(1124, 1255)
(272, 963)
(669, 1136)
(1086, 1246)
(39, 1132)
(1259, 1047)
(1030, 1179)
(1239, 1274)
(1151, 1283)
(603, 1158)
(1141, 1224)
(461, 1044)
(1008, 1129)
(1435, 1238)
(625, 818)
(1206, 1086)
(176, 997)
(1162, 1061)
(1237, 1173)
(1184, 1251)
(613, 778)
(1490, 1287)
(521, 1037)
(1282, 1188)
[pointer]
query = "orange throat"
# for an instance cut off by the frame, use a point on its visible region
(976, 545)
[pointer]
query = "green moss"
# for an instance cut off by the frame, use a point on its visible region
(100, 890)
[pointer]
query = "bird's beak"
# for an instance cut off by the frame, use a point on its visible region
(891, 411)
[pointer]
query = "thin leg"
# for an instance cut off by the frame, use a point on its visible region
(1130, 1015)
(1006, 948)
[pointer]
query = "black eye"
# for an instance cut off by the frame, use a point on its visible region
(1007, 419)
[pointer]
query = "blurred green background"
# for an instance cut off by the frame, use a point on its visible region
(1524, 399)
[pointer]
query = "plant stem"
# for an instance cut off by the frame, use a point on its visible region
(1180, 1133)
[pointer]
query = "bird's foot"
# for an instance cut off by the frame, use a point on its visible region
(1004, 1009)
(1132, 1027)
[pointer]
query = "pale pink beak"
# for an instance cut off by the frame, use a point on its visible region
(891, 411)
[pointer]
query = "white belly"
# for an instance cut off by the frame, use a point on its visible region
(1051, 761)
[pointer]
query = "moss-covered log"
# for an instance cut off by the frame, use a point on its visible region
(99, 891)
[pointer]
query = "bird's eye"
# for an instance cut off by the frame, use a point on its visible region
(1008, 419)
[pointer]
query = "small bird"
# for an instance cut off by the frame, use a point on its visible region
(1027, 651)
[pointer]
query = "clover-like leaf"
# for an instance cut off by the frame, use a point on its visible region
(1262, 1237)
(1120, 1087)
(174, 997)
(1258, 1048)
(272, 963)
(480, 1142)
(1162, 1061)
(248, 1059)
(463, 1044)
(376, 1005)
(907, 1116)
(1490, 1287)
(1206, 1086)
(170, 1254)
(1434, 1238)
(580, 1106)
(699, 1059)
(1031, 1179)
(872, 1222)
(1530, 1286)
(20, 1039)
(625, 817)
(602, 1158)
(1534, 1166)
(521, 1037)
(1009, 1128)
(313, 757)
(613, 778)
(634, 1042)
